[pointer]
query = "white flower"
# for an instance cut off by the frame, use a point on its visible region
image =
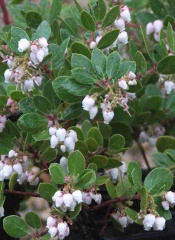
(73, 205)
(123, 169)
(43, 42)
(63, 162)
(1, 212)
(52, 130)
(62, 228)
(114, 173)
(38, 80)
(123, 221)
(53, 231)
(148, 221)
(63, 148)
(10, 63)
(130, 220)
(64, 208)
(134, 82)
(169, 86)
(130, 83)
(166, 205)
(11, 153)
(169, 196)
(98, 38)
(93, 112)
(56, 195)
(86, 198)
(61, 134)
(131, 75)
(18, 168)
(67, 199)
(73, 135)
(1, 165)
(69, 143)
(152, 141)
(7, 170)
(108, 116)
(149, 28)
(29, 85)
(34, 59)
(157, 36)
(8, 75)
(51, 221)
(88, 102)
(54, 141)
(159, 224)
(93, 44)
(122, 84)
(125, 14)
(144, 137)
(97, 198)
(1, 175)
(77, 195)
(3, 119)
(158, 25)
(120, 24)
(59, 201)
(122, 38)
(23, 45)
(40, 55)
(34, 49)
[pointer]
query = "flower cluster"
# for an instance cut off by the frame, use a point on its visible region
(3, 120)
(151, 134)
(117, 173)
(68, 201)
(57, 227)
(150, 220)
(155, 28)
(121, 217)
(23, 69)
(127, 80)
(168, 200)
(17, 162)
(65, 139)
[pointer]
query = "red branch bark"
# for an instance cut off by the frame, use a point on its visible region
(21, 193)
(6, 19)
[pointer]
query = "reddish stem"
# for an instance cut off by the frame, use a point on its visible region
(21, 193)
(6, 19)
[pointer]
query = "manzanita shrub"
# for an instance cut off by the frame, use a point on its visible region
(76, 93)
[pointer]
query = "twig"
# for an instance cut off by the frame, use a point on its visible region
(144, 156)
(106, 218)
(6, 19)
(6, 191)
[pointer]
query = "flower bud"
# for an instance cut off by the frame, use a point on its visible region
(159, 224)
(1, 212)
(93, 112)
(73, 205)
(62, 228)
(11, 153)
(108, 116)
(34, 49)
(166, 205)
(158, 25)
(8, 75)
(56, 195)
(123, 221)
(7, 170)
(169, 85)
(59, 201)
(120, 24)
(63, 162)
(23, 44)
(131, 75)
(169, 196)
(67, 199)
(149, 28)
(88, 102)
(69, 143)
(53, 231)
(18, 168)
(122, 84)
(34, 59)
(51, 221)
(86, 198)
(52, 130)
(63, 148)
(38, 80)
(77, 195)
(40, 55)
(73, 135)
(157, 36)
(54, 141)
(61, 134)
(125, 14)
(148, 221)
(93, 44)
(10, 63)
(123, 168)
(114, 173)
(43, 42)
(122, 38)
(97, 198)
(29, 85)
(152, 141)
(144, 137)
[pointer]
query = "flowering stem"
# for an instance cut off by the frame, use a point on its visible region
(6, 191)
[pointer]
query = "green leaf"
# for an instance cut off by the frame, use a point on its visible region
(33, 19)
(99, 160)
(26, 105)
(151, 90)
(57, 173)
(47, 191)
(165, 142)
(33, 220)
(79, 132)
(144, 199)
(133, 215)
(30, 122)
(2, 90)
(96, 135)
(113, 64)
(158, 8)
(82, 147)
(42, 104)
(170, 36)
(80, 48)
(13, 181)
(116, 143)
(140, 63)
(145, 17)
(92, 166)
(72, 112)
(113, 163)
(86, 125)
(16, 95)
(108, 39)
(166, 65)
(111, 16)
(111, 189)
(99, 61)
(87, 21)
(100, 10)
(55, 10)
(92, 145)
(76, 163)
(154, 180)
(81, 61)
(86, 179)
(125, 188)
(162, 160)
(43, 30)
(75, 213)
(132, 48)
(163, 213)
(3, 101)
(134, 171)
(101, 180)
(15, 226)
(49, 93)
(83, 76)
